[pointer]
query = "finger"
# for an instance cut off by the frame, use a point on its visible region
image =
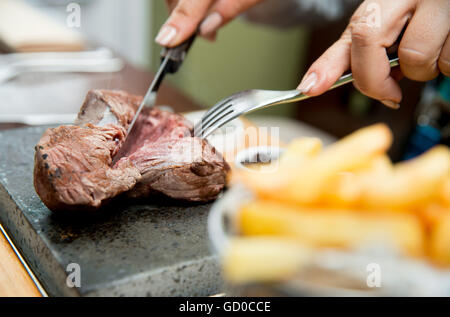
(444, 58)
(369, 61)
(182, 22)
(327, 69)
(222, 11)
(210, 36)
(171, 4)
(423, 40)
(397, 74)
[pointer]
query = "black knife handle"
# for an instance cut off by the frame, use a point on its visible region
(177, 54)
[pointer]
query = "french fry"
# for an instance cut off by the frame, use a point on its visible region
(332, 228)
(262, 259)
(411, 184)
(433, 214)
(341, 191)
(300, 148)
(304, 182)
(445, 192)
(346, 195)
(349, 154)
(298, 151)
(346, 188)
(440, 241)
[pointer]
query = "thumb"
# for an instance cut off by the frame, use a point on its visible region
(182, 22)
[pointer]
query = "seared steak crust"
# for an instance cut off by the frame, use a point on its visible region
(73, 163)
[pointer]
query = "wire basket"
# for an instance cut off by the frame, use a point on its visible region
(331, 272)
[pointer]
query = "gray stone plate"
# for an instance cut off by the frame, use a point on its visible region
(131, 248)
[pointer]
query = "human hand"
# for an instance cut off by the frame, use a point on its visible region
(187, 15)
(424, 50)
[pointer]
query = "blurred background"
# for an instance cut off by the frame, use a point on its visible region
(246, 54)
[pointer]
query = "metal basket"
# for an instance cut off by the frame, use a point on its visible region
(331, 271)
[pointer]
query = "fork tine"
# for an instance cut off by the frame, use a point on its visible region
(211, 114)
(214, 108)
(218, 113)
(207, 121)
(216, 118)
(219, 123)
(217, 106)
(213, 111)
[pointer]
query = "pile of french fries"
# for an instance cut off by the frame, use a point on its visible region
(345, 195)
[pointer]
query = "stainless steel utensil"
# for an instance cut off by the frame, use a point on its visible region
(100, 52)
(250, 100)
(100, 60)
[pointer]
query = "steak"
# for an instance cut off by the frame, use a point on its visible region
(74, 164)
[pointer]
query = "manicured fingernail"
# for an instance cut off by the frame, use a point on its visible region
(390, 104)
(166, 35)
(308, 82)
(211, 23)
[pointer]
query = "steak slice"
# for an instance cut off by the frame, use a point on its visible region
(74, 163)
(186, 168)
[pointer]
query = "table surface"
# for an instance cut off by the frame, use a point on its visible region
(66, 91)
(14, 279)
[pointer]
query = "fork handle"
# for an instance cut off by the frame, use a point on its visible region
(345, 79)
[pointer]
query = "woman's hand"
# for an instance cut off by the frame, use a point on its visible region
(187, 15)
(424, 50)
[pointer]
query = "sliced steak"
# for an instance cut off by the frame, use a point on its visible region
(73, 163)
(186, 168)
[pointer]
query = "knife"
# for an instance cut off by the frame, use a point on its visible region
(171, 60)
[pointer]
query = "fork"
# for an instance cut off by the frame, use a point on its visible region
(251, 100)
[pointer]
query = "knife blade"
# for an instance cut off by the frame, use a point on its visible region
(150, 96)
(171, 60)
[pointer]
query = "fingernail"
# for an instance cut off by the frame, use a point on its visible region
(211, 23)
(390, 104)
(166, 35)
(307, 83)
